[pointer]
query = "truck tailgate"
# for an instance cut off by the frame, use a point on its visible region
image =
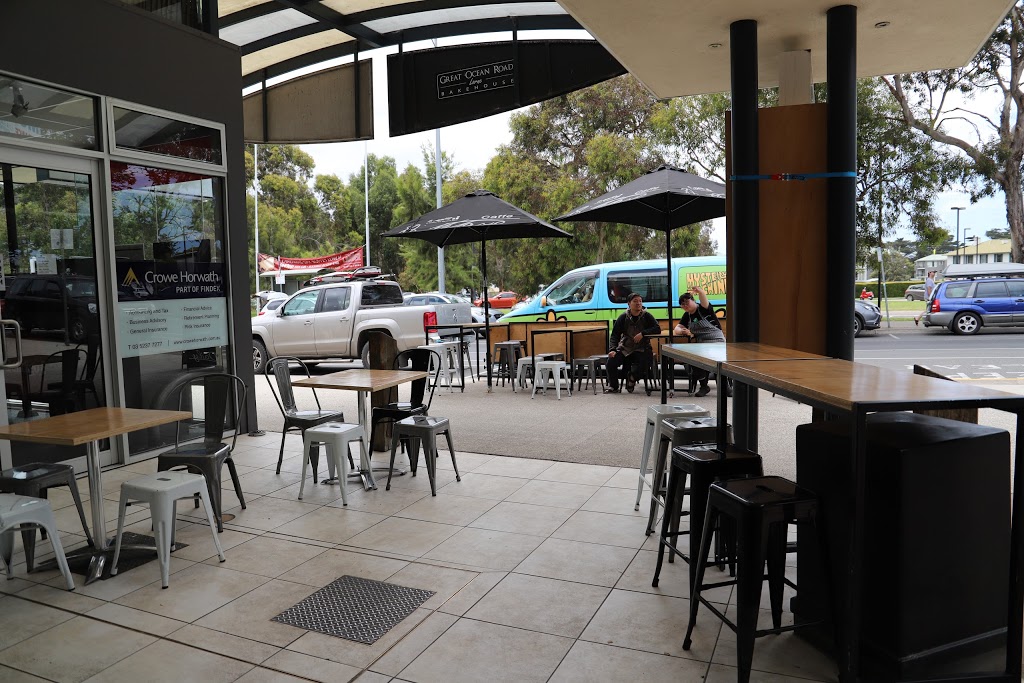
(452, 313)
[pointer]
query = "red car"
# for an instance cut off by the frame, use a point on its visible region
(501, 300)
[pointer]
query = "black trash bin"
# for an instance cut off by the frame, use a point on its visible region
(937, 537)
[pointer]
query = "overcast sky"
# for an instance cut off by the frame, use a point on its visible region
(473, 144)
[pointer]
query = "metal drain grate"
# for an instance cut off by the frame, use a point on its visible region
(356, 609)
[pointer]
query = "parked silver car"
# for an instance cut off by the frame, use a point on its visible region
(865, 317)
(914, 293)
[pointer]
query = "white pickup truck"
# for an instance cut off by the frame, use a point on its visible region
(332, 322)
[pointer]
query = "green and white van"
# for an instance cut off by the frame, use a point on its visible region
(598, 293)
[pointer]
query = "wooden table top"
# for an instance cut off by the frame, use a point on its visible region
(361, 380)
(578, 328)
(706, 355)
(845, 385)
(75, 429)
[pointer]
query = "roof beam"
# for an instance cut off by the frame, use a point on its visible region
(328, 17)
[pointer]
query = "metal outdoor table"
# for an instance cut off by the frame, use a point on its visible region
(364, 382)
(462, 327)
(854, 390)
(89, 427)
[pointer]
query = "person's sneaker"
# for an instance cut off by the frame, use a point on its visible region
(630, 384)
(703, 391)
(609, 390)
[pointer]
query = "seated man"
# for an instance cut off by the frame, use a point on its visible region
(630, 351)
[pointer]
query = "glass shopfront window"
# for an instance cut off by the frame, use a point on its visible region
(154, 134)
(38, 113)
(171, 285)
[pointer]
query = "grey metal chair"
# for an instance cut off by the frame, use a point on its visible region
(294, 419)
(419, 359)
(422, 429)
(207, 457)
(34, 480)
(21, 513)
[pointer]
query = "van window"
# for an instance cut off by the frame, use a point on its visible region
(650, 284)
(575, 288)
(957, 290)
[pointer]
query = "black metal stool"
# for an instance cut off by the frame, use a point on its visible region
(425, 429)
(704, 465)
(509, 353)
(677, 431)
(34, 480)
(761, 508)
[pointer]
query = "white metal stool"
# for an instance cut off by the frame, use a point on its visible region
(524, 368)
(162, 490)
(655, 414)
(551, 369)
(448, 352)
(336, 436)
(24, 513)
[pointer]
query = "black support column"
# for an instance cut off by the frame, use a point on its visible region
(745, 247)
(841, 68)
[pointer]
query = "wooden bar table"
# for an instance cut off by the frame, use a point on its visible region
(854, 390)
(364, 382)
(89, 427)
(570, 333)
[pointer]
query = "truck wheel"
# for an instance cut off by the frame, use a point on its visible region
(259, 356)
(364, 354)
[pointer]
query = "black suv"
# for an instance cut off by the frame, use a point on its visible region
(40, 301)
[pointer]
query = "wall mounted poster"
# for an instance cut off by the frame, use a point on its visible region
(168, 307)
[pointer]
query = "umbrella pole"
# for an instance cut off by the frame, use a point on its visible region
(487, 313)
(666, 375)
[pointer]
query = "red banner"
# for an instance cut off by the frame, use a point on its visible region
(345, 260)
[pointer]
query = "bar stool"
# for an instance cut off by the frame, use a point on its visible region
(425, 429)
(25, 513)
(655, 414)
(447, 358)
(760, 508)
(161, 491)
(336, 436)
(704, 465)
(509, 353)
(524, 370)
(33, 480)
(678, 431)
(585, 368)
(552, 369)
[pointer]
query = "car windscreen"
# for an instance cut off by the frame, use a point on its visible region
(381, 295)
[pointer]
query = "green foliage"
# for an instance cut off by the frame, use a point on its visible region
(897, 266)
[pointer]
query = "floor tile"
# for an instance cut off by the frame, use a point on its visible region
(475, 651)
(674, 579)
(467, 462)
(421, 482)
(484, 486)
(626, 478)
(553, 493)
(267, 513)
(261, 675)
(601, 527)
(445, 582)
(330, 524)
(169, 662)
(352, 653)
(13, 585)
(61, 598)
(786, 654)
(485, 548)
(319, 493)
(193, 592)
(619, 502)
(262, 482)
(249, 616)
(381, 502)
(522, 468)
(463, 601)
(720, 673)
(87, 647)
(124, 583)
(410, 647)
(200, 542)
(561, 608)
(332, 564)
(21, 619)
(589, 662)
(520, 518)
(601, 565)
(447, 509)
(312, 668)
(575, 473)
(137, 620)
(404, 536)
(268, 557)
(9, 675)
(652, 623)
(225, 644)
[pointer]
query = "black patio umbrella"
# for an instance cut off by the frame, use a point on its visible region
(477, 217)
(663, 199)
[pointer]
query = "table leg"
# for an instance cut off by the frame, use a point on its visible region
(365, 469)
(26, 402)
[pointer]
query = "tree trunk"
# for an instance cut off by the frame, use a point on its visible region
(1014, 210)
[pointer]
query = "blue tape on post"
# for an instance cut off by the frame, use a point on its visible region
(796, 176)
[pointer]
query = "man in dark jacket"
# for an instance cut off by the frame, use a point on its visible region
(629, 352)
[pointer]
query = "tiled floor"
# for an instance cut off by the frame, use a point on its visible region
(541, 570)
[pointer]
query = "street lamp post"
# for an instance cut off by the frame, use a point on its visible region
(958, 209)
(966, 239)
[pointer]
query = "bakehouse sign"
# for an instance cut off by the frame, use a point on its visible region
(475, 79)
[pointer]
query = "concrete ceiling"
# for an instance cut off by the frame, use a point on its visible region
(668, 44)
